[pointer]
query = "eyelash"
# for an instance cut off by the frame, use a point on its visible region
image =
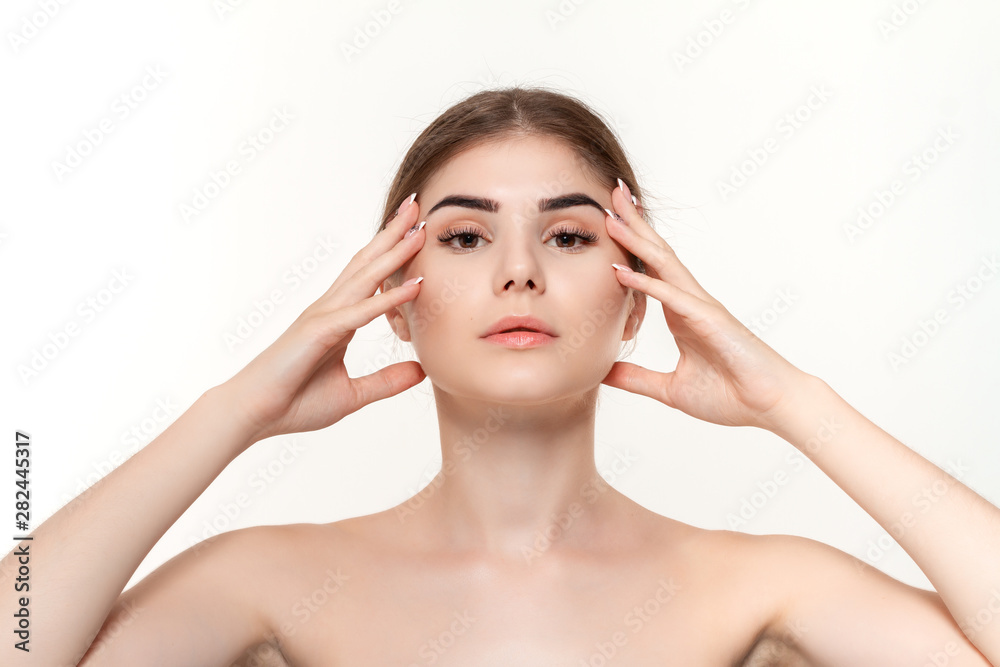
(587, 236)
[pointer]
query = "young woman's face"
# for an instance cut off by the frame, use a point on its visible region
(517, 249)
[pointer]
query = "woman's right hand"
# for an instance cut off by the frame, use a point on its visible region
(300, 382)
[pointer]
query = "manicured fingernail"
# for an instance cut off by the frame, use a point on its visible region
(406, 204)
(621, 268)
(635, 202)
(412, 281)
(616, 216)
(414, 229)
(625, 190)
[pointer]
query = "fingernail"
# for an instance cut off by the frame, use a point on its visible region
(622, 268)
(616, 216)
(406, 204)
(412, 281)
(625, 190)
(414, 229)
(635, 202)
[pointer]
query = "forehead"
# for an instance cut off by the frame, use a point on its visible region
(531, 165)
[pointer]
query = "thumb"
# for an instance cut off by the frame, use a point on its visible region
(387, 382)
(639, 380)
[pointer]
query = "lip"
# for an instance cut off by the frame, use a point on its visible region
(536, 326)
(520, 339)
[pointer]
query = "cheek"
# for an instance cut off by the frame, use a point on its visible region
(594, 303)
(440, 306)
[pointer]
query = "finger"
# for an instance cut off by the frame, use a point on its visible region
(368, 278)
(621, 199)
(383, 241)
(671, 296)
(638, 380)
(621, 202)
(386, 382)
(659, 257)
(336, 324)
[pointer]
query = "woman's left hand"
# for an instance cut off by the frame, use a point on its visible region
(725, 374)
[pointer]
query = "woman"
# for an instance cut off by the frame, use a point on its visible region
(507, 268)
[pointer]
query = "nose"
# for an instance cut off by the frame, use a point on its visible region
(519, 262)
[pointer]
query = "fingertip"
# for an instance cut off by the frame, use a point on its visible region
(626, 193)
(414, 229)
(405, 205)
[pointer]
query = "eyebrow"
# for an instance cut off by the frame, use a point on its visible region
(544, 205)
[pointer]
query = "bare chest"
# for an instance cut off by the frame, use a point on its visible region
(406, 612)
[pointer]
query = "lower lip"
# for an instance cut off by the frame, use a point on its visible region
(522, 339)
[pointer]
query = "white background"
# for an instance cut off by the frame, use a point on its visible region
(889, 90)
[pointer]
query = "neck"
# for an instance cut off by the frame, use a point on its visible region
(518, 481)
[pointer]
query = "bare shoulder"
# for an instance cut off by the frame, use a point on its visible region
(268, 560)
(290, 551)
(745, 580)
(775, 569)
(760, 577)
(835, 609)
(293, 541)
(781, 570)
(217, 594)
(297, 566)
(739, 580)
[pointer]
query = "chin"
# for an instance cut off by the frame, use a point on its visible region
(533, 387)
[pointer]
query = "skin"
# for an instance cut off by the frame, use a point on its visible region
(518, 552)
(538, 404)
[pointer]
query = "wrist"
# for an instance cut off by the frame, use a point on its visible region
(224, 405)
(797, 417)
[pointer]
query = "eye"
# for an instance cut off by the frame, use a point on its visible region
(586, 236)
(467, 234)
(565, 235)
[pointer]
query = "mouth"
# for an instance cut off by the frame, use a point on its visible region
(520, 338)
(520, 324)
(520, 331)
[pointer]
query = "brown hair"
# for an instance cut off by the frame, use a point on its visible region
(495, 115)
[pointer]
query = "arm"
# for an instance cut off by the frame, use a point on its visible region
(726, 375)
(85, 553)
(205, 606)
(951, 532)
(833, 609)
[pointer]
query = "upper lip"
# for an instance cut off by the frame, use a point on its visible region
(519, 322)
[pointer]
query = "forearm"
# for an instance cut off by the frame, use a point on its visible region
(952, 533)
(83, 556)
